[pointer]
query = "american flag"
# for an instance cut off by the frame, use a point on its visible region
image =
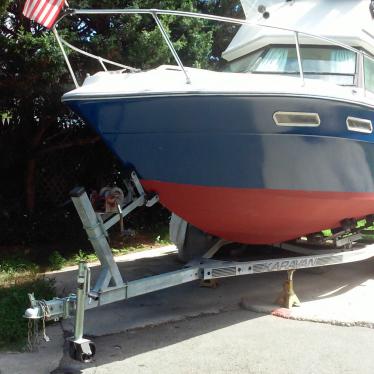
(43, 12)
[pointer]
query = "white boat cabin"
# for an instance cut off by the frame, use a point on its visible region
(263, 50)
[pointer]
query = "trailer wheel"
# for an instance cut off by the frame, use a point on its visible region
(191, 242)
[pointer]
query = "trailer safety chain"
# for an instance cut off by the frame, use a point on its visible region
(33, 335)
(46, 314)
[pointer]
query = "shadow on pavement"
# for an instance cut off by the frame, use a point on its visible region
(189, 300)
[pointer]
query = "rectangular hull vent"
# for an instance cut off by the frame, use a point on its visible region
(359, 125)
(297, 119)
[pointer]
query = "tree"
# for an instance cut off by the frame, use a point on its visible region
(33, 75)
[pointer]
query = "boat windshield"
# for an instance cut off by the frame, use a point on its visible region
(332, 64)
(369, 75)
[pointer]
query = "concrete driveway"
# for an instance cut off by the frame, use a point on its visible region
(236, 341)
(190, 329)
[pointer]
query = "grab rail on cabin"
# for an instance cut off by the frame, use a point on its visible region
(156, 12)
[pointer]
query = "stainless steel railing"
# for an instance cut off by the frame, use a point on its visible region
(156, 12)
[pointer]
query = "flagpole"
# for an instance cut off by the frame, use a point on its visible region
(65, 56)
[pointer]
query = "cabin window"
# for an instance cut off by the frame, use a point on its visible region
(333, 64)
(369, 74)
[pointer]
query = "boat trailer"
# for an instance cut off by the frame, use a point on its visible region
(111, 286)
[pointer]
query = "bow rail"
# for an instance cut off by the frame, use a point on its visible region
(156, 12)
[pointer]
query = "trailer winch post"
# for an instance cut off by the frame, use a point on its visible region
(97, 235)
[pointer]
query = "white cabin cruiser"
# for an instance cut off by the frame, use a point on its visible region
(278, 146)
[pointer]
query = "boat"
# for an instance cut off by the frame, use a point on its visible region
(277, 146)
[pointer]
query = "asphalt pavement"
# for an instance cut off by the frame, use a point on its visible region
(235, 341)
(233, 328)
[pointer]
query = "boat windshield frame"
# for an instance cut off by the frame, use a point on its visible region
(261, 52)
(361, 54)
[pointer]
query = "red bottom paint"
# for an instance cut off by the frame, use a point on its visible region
(260, 216)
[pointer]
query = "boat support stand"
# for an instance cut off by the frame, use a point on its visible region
(111, 286)
(288, 298)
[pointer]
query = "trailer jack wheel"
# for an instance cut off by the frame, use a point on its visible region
(83, 350)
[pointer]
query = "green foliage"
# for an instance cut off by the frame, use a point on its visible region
(4, 5)
(136, 40)
(14, 268)
(13, 303)
(56, 260)
(32, 72)
(161, 236)
(83, 256)
(33, 76)
(16, 265)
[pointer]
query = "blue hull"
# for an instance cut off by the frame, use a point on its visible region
(232, 141)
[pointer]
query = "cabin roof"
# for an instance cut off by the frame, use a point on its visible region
(347, 21)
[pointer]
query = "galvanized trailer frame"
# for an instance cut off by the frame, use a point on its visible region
(111, 286)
